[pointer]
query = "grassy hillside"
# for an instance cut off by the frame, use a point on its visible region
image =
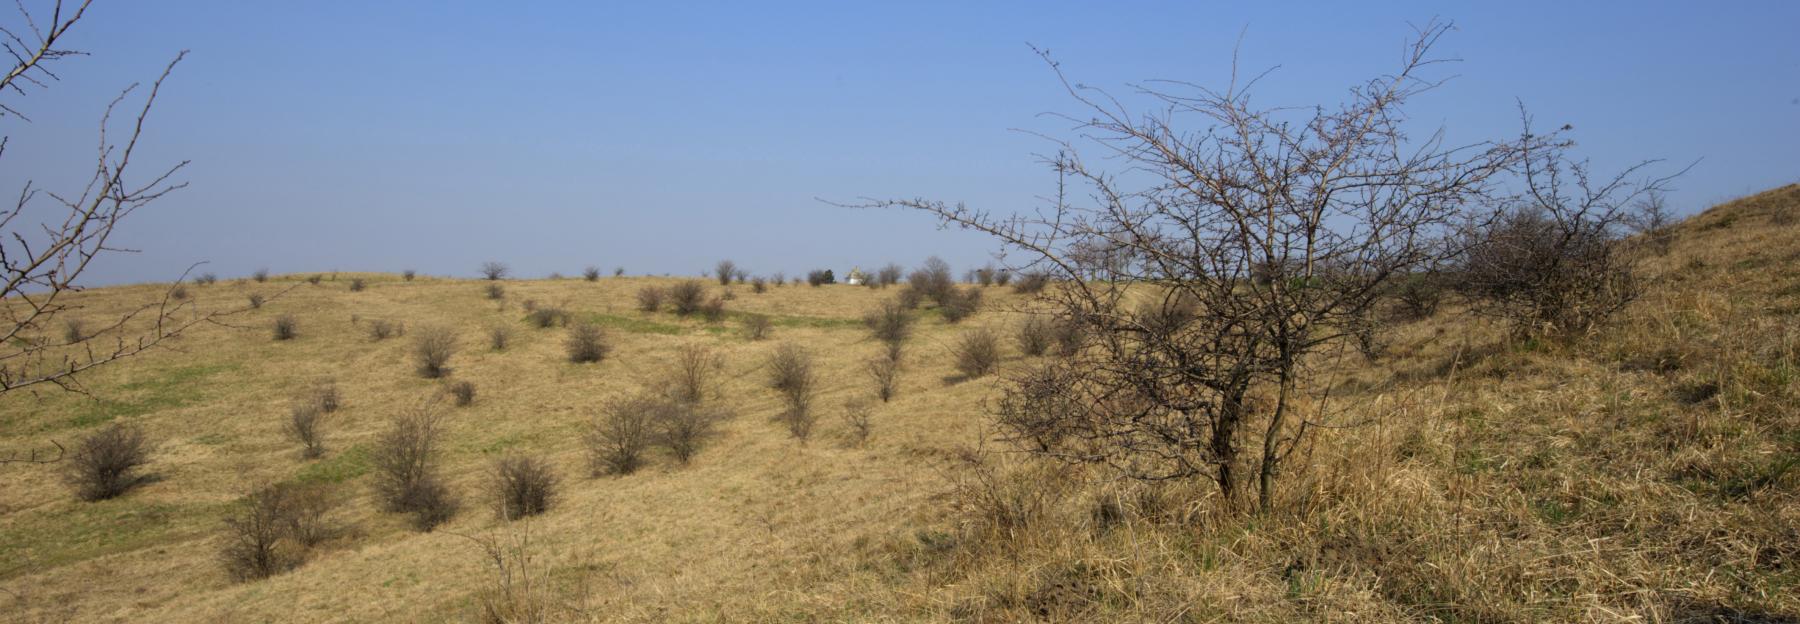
(1651, 472)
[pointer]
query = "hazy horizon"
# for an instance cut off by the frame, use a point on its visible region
(338, 136)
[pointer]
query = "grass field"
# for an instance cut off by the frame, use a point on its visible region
(1648, 473)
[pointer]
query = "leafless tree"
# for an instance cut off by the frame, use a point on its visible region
(725, 271)
(1211, 266)
(49, 239)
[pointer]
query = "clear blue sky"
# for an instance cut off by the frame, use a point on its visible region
(663, 137)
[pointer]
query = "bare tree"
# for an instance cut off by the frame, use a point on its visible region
(1214, 264)
(43, 261)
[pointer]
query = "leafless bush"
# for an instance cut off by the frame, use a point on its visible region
(495, 291)
(206, 279)
(591, 274)
(887, 275)
(525, 486)
(406, 478)
(357, 284)
(586, 343)
(884, 370)
(463, 392)
(546, 317)
(260, 275)
(693, 377)
(778, 278)
(494, 270)
(686, 297)
(408, 275)
(759, 286)
(1002, 277)
(714, 309)
(314, 279)
(179, 292)
(909, 298)
(649, 299)
(106, 464)
(820, 277)
(304, 419)
(286, 327)
(1070, 335)
(626, 428)
(499, 336)
(725, 270)
(890, 322)
(983, 276)
(960, 303)
(432, 347)
(756, 326)
(791, 374)
(256, 300)
(932, 280)
(1035, 335)
(74, 330)
(1031, 283)
(858, 420)
(1419, 294)
(683, 429)
(383, 329)
(977, 353)
(259, 541)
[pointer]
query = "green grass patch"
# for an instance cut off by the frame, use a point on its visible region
(177, 388)
(636, 325)
(57, 536)
(353, 462)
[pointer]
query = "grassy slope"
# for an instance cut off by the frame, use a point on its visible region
(1637, 473)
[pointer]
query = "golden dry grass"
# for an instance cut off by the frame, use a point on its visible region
(1643, 474)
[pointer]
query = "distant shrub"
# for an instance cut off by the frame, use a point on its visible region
(820, 277)
(1035, 335)
(884, 370)
(546, 317)
(1002, 277)
(499, 336)
(304, 420)
(325, 395)
(357, 284)
(778, 278)
(960, 303)
(759, 286)
(1419, 295)
(106, 464)
(887, 276)
(909, 298)
(932, 280)
(286, 327)
(724, 271)
(525, 486)
(74, 330)
(496, 291)
(383, 329)
(314, 279)
(260, 275)
(179, 293)
(619, 272)
(256, 300)
(586, 343)
(683, 429)
(692, 378)
(756, 326)
(977, 353)
(494, 270)
(984, 276)
(858, 421)
(206, 279)
(889, 322)
(432, 348)
(649, 299)
(463, 392)
(1069, 335)
(791, 373)
(408, 275)
(686, 297)
(1031, 283)
(625, 429)
(555, 275)
(260, 538)
(405, 458)
(591, 274)
(713, 310)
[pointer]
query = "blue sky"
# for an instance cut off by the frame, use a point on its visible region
(662, 137)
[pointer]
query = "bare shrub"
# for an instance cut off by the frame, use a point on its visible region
(960, 303)
(494, 270)
(887, 275)
(693, 377)
(714, 309)
(1035, 335)
(686, 297)
(206, 279)
(106, 464)
(884, 370)
(256, 300)
(432, 348)
(383, 329)
(983, 276)
(499, 336)
(932, 280)
(286, 327)
(408, 275)
(756, 326)
(314, 279)
(649, 299)
(463, 392)
(625, 429)
(1419, 295)
(725, 271)
(1070, 335)
(889, 322)
(1002, 277)
(179, 292)
(1031, 283)
(586, 343)
(260, 275)
(546, 317)
(759, 286)
(858, 420)
(357, 284)
(977, 353)
(591, 274)
(683, 428)
(820, 277)
(909, 298)
(304, 420)
(405, 458)
(525, 486)
(791, 374)
(495, 291)
(74, 330)
(259, 541)
(778, 278)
